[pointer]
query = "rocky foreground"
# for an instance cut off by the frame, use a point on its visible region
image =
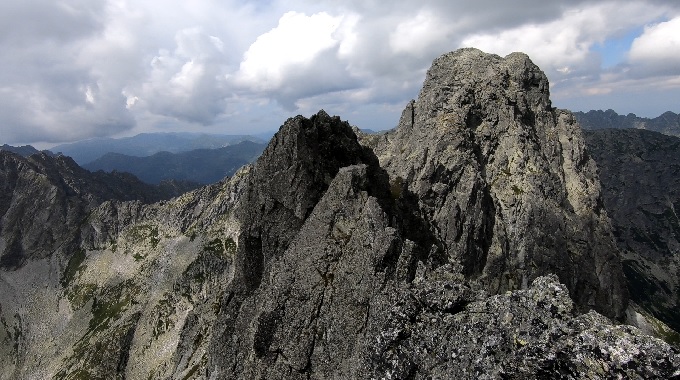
(470, 242)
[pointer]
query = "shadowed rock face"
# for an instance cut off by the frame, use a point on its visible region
(331, 258)
(504, 180)
(44, 200)
(641, 191)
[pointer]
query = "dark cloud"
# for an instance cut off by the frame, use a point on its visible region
(36, 20)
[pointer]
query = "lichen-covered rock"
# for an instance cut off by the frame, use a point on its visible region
(530, 333)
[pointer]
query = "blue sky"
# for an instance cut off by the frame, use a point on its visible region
(77, 69)
(613, 51)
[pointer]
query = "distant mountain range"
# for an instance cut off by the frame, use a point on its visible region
(147, 144)
(668, 123)
(24, 150)
(199, 165)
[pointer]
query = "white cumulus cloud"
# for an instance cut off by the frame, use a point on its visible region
(416, 35)
(658, 48)
(293, 45)
(298, 58)
(186, 83)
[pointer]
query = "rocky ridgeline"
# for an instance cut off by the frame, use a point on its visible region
(44, 201)
(667, 123)
(434, 251)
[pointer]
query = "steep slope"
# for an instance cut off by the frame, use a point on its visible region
(667, 123)
(201, 165)
(640, 178)
(43, 201)
(317, 262)
(504, 180)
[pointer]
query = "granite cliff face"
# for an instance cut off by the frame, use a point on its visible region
(504, 180)
(437, 250)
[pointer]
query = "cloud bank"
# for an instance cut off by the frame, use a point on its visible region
(77, 69)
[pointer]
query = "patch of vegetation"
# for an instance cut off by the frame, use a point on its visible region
(192, 371)
(230, 246)
(215, 246)
(103, 312)
(78, 374)
(138, 257)
(145, 232)
(396, 187)
(517, 190)
(192, 235)
(669, 336)
(102, 357)
(74, 266)
(651, 239)
(79, 295)
(110, 305)
(662, 331)
(163, 310)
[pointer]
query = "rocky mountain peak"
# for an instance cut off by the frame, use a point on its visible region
(302, 159)
(484, 86)
(505, 180)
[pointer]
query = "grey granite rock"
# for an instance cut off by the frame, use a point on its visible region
(505, 180)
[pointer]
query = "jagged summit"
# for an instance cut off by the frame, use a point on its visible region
(504, 179)
(425, 252)
(482, 85)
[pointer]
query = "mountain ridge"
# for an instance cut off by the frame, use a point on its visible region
(342, 256)
(24, 150)
(667, 123)
(202, 166)
(146, 144)
(46, 197)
